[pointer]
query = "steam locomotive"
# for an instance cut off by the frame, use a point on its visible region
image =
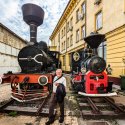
(92, 80)
(37, 62)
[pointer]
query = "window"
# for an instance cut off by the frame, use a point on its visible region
(64, 31)
(97, 2)
(70, 60)
(71, 22)
(67, 26)
(77, 15)
(83, 8)
(54, 42)
(99, 20)
(71, 40)
(64, 45)
(67, 42)
(102, 50)
(83, 31)
(58, 37)
(77, 35)
(64, 60)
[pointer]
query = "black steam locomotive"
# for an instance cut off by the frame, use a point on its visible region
(36, 61)
(92, 80)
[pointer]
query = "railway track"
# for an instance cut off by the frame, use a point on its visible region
(39, 107)
(104, 107)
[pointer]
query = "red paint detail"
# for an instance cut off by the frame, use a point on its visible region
(33, 78)
(77, 77)
(93, 81)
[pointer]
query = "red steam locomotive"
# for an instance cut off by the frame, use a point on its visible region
(93, 80)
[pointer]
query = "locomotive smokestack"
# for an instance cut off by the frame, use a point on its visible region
(33, 15)
(94, 40)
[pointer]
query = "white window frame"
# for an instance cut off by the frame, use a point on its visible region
(102, 50)
(99, 23)
(83, 8)
(83, 29)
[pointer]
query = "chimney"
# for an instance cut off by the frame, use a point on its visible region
(33, 15)
(94, 40)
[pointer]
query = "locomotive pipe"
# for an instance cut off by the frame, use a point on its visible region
(33, 33)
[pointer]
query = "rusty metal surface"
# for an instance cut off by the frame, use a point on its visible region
(95, 109)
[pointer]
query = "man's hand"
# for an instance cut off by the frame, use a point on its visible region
(56, 84)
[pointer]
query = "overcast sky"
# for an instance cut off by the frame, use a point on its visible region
(11, 17)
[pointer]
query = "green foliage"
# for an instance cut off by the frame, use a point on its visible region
(13, 113)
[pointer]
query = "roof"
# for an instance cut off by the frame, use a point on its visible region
(13, 32)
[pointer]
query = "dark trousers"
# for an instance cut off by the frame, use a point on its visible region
(52, 104)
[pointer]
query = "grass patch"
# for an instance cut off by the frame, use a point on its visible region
(13, 114)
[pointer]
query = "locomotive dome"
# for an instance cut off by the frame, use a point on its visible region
(43, 46)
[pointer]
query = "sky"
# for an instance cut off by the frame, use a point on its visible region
(11, 17)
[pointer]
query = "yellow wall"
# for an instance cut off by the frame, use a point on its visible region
(116, 50)
(113, 25)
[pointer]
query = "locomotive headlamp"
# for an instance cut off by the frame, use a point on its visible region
(43, 80)
(1, 80)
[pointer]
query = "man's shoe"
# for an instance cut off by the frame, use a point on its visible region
(61, 119)
(49, 122)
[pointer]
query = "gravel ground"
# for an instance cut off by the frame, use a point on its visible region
(5, 92)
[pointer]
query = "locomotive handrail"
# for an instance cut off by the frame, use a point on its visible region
(34, 58)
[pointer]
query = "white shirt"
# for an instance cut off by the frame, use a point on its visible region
(62, 80)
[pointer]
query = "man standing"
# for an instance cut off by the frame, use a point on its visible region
(58, 79)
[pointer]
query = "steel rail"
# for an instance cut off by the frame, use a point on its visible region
(93, 106)
(41, 105)
(113, 105)
(6, 104)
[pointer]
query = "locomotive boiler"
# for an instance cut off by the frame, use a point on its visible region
(36, 61)
(93, 80)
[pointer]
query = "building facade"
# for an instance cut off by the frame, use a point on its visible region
(80, 18)
(10, 44)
